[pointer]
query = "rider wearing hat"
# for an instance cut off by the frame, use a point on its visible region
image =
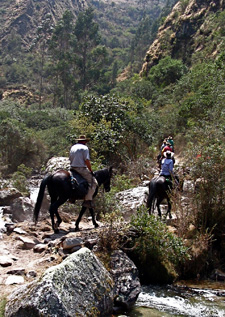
(80, 162)
(167, 165)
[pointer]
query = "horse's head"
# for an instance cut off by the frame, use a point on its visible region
(106, 183)
(104, 177)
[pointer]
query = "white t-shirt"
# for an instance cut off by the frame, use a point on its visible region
(79, 153)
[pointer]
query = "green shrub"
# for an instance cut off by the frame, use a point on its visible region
(20, 182)
(3, 302)
(206, 161)
(158, 252)
(19, 145)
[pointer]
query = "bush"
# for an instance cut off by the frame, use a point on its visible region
(168, 71)
(20, 182)
(158, 252)
(19, 145)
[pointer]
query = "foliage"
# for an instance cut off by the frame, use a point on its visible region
(207, 169)
(3, 302)
(168, 71)
(155, 242)
(61, 47)
(120, 128)
(19, 181)
(19, 145)
(110, 238)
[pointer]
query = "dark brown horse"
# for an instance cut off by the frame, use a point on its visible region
(159, 189)
(60, 190)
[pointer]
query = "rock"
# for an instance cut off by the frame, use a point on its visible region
(2, 222)
(131, 199)
(125, 275)
(90, 243)
(217, 275)
(14, 279)
(22, 209)
(56, 163)
(31, 274)
(17, 271)
(71, 242)
(5, 261)
(10, 227)
(6, 210)
(19, 231)
(39, 248)
(79, 286)
(75, 249)
(7, 196)
(27, 243)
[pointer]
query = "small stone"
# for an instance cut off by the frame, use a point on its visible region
(31, 274)
(19, 231)
(14, 279)
(39, 248)
(17, 271)
(70, 243)
(5, 261)
(27, 243)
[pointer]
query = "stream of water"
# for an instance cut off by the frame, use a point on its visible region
(196, 300)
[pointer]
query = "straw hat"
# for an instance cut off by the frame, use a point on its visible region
(83, 138)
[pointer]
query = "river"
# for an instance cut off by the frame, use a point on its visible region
(205, 299)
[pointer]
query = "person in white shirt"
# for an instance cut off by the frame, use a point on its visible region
(80, 162)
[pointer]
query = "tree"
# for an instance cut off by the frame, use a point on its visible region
(61, 47)
(168, 71)
(88, 38)
(43, 34)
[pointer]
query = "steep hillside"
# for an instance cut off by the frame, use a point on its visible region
(191, 32)
(22, 17)
(115, 17)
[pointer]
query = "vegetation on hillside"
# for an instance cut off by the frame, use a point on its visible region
(74, 80)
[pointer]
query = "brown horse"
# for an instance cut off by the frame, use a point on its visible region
(60, 190)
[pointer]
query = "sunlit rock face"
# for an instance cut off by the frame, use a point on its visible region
(185, 32)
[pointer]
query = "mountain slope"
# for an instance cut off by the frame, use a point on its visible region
(189, 33)
(23, 17)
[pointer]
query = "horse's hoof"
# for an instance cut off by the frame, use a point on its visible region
(77, 229)
(56, 231)
(57, 224)
(96, 225)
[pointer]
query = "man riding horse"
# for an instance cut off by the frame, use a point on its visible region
(80, 163)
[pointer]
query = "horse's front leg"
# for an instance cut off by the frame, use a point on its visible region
(51, 211)
(79, 218)
(54, 211)
(169, 209)
(93, 217)
(158, 207)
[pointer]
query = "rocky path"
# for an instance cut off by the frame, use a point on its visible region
(28, 250)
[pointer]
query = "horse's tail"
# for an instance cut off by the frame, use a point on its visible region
(151, 196)
(40, 197)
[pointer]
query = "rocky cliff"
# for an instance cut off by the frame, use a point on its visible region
(22, 17)
(190, 32)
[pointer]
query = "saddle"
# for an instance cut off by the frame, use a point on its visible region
(168, 182)
(79, 185)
